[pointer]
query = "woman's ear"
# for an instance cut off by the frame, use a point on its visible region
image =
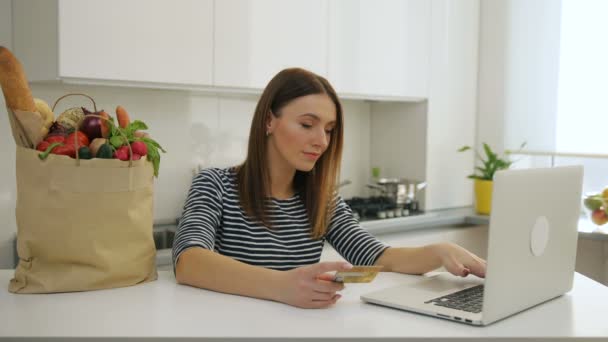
(270, 122)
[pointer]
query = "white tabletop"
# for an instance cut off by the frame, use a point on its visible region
(165, 309)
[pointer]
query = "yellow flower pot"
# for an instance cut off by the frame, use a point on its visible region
(483, 196)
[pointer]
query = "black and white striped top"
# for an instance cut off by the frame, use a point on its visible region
(213, 219)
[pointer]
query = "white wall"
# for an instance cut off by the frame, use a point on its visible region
(518, 73)
(398, 145)
(7, 153)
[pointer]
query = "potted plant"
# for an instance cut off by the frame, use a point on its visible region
(485, 175)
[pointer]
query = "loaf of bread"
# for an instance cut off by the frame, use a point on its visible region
(15, 88)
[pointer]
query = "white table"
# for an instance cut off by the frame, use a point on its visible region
(165, 309)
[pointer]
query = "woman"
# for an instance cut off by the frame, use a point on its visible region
(258, 229)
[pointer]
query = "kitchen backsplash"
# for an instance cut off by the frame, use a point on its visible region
(195, 130)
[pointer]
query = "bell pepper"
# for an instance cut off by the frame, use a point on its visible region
(43, 145)
(60, 149)
(65, 150)
(55, 138)
(48, 149)
(82, 138)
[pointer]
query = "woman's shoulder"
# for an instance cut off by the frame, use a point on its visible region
(220, 177)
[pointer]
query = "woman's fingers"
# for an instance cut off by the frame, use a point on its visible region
(321, 296)
(320, 304)
(327, 286)
(477, 267)
(474, 266)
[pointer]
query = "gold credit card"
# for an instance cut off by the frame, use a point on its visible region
(358, 274)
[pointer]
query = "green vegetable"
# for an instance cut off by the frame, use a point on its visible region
(48, 150)
(105, 152)
(117, 139)
(85, 153)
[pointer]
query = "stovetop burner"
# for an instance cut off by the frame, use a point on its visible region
(381, 207)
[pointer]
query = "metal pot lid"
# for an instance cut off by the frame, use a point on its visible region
(382, 181)
(388, 181)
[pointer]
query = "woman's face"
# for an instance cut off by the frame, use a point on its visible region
(302, 131)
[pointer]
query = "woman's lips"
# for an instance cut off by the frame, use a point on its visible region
(312, 156)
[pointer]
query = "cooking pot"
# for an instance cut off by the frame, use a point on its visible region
(400, 190)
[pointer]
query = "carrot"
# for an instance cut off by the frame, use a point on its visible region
(122, 116)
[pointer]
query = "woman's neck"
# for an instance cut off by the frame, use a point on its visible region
(281, 177)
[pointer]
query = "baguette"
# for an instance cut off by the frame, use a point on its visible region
(15, 88)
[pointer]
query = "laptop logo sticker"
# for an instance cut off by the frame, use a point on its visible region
(539, 236)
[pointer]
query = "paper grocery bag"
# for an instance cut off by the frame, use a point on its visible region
(82, 225)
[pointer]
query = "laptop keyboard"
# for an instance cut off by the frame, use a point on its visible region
(468, 300)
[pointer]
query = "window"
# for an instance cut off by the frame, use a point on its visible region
(582, 101)
(575, 119)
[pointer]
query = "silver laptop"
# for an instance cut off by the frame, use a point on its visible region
(531, 252)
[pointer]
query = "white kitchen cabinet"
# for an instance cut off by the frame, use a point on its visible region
(380, 47)
(255, 39)
(420, 140)
(148, 41)
(452, 103)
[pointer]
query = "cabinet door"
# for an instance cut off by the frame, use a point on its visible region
(452, 103)
(380, 47)
(137, 40)
(255, 39)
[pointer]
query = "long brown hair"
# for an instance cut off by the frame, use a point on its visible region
(318, 186)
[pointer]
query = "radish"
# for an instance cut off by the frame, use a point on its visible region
(139, 147)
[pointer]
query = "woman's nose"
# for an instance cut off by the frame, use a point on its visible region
(322, 139)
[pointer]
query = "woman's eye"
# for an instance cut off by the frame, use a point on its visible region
(306, 125)
(329, 131)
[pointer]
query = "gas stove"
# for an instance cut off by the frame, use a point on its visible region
(381, 207)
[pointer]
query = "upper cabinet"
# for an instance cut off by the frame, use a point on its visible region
(380, 47)
(367, 48)
(255, 39)
(136, 40)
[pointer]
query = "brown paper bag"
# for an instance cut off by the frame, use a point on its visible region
(83, 225)
(26, 127)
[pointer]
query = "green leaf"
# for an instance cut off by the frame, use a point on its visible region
(153, 156)
(136, 125)
(492, 164)
(116, 141)
(491, 155)
(152, 142)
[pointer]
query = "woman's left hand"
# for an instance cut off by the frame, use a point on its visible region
(460, 261)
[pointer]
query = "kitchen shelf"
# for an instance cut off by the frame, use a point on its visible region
(216, 90)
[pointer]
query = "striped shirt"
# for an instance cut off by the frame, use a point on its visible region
(213, 219)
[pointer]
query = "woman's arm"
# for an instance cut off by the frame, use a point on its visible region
(306, 287)
(206, 269)
(419, 260)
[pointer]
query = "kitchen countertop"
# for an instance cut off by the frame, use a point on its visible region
(164, 309)
(465, 216)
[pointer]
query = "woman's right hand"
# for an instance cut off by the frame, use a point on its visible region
(312, 287)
